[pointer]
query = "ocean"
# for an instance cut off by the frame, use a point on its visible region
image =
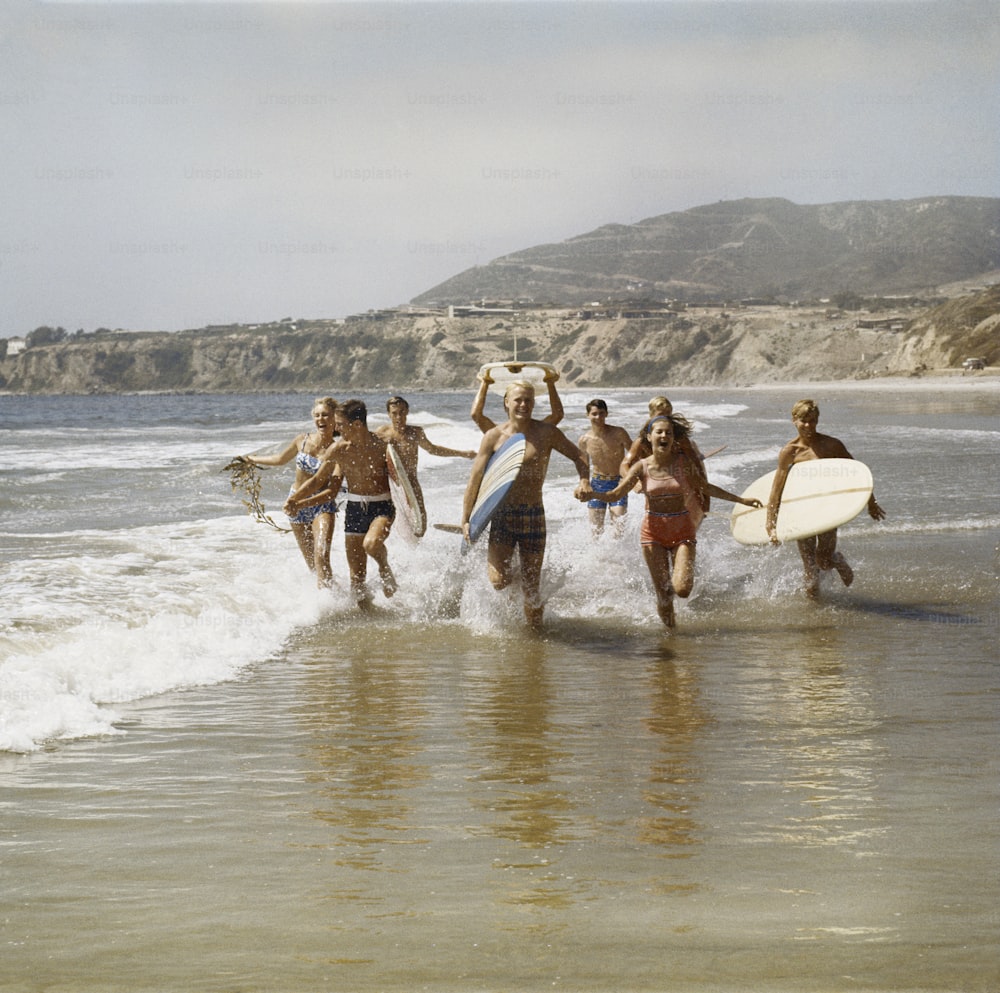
(215, 777)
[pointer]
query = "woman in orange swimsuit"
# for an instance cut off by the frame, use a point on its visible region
(676, 491)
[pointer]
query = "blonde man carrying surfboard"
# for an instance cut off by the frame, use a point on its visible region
(819, 552)
(519, 522)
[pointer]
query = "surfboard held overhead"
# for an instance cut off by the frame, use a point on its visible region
(505, 373)
(819, 495)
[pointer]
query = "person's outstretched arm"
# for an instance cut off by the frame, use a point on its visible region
(448, 453)
(286, 455)
(479, 403)
(555, 403)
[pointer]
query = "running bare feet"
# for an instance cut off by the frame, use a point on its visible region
(845, 572)
(389, 584)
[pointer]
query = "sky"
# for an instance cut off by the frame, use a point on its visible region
(176, 165)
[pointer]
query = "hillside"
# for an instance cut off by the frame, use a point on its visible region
(761, 248)
(695, 346)
(722, 266)
(964, 327)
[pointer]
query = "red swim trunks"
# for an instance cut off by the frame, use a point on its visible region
(668, 530)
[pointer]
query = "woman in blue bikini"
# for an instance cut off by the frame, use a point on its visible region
(312, 525)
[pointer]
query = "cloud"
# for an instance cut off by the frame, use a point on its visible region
(182, 164)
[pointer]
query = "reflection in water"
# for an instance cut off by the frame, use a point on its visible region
(676, 719)
(527, 799)
(522, 750)
(562, 768)
(364, 716)
(821, 750)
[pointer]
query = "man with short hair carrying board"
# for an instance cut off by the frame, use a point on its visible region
(518, 524)
(819, 552)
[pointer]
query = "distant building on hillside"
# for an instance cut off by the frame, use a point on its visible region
(895, 323)
(473, 311)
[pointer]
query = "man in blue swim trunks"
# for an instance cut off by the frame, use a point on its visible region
(519, 523)
(358, 457)
(604, 446)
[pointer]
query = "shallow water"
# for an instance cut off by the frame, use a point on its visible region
(221, 779)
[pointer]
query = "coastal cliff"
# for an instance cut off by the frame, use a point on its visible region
(698, 346)
(685, 298)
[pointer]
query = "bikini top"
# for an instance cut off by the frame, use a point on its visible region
(306, 462)
(655, 486)
(676, 484)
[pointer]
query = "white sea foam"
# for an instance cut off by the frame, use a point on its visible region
(990, 440)
(139, 613)
(130, 569)
(709, 411)
(744, 466)
(128, 454)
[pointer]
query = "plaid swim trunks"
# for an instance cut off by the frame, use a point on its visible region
(519, 525)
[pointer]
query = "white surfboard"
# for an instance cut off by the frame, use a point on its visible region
(501, 471)
(819, 495)
(505, 373)
(403, 495)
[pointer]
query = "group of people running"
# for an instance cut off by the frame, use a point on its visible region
(663, 462)
(342, 451)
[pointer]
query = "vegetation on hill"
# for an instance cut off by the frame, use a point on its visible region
(761, 248)
(963, 328)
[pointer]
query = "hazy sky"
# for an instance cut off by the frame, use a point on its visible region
(173, 165)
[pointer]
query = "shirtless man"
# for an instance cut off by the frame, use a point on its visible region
(819, 553)
(604, 446)
(519, 522)
(408, 439)
(485, 423)
(359, 458)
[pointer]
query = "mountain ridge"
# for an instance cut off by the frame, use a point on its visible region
(753, 247)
